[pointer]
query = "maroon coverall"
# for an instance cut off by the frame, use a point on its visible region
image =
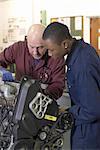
(53, 73)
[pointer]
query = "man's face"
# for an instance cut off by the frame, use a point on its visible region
(54, 49)
(36, 47)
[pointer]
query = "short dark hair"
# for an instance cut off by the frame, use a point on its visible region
(57, 32)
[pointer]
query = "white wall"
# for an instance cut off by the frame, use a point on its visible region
(30, 9)
(19, 9)
(36, 8)
(64, 8)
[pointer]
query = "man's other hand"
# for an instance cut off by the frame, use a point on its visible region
(6, 75)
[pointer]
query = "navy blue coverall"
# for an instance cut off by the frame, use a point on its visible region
(83, 77)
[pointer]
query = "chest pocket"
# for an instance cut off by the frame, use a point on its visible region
(45, 75)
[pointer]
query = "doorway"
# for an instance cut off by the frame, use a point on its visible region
(95, 33)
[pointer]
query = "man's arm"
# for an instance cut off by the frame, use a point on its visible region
(56, 86)
(88, 95)
(8, 56)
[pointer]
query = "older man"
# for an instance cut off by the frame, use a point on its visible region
(31, 58)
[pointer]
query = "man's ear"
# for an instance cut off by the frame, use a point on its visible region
(65, 44)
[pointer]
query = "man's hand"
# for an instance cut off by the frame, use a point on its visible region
(6, 75)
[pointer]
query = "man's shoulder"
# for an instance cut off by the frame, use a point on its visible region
(20, 43)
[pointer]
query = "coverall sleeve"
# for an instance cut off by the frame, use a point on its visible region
(55, 88)
(8, 55)
(87, 108)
